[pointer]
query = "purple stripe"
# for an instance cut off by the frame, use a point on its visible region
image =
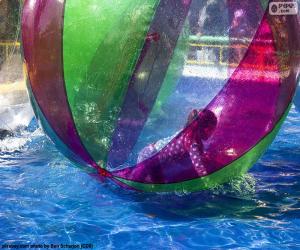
(47, 128)
(42, 28)
(148, 77)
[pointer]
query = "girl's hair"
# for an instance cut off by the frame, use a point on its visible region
(207, 118)
(203, 122)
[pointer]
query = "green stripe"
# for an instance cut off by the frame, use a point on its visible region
(236, 168)
(102, 42)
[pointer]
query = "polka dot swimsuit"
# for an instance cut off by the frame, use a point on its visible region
(188, 143)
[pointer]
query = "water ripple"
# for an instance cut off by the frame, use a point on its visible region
(44, 199)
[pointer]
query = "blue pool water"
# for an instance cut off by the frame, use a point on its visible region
(44, 200)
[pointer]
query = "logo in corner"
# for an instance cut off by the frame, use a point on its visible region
(283, 8)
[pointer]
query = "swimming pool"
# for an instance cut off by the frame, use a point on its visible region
(44, 200)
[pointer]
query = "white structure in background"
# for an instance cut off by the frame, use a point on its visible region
(15, 108)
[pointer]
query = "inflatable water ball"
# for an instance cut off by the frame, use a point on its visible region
(161, 95)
